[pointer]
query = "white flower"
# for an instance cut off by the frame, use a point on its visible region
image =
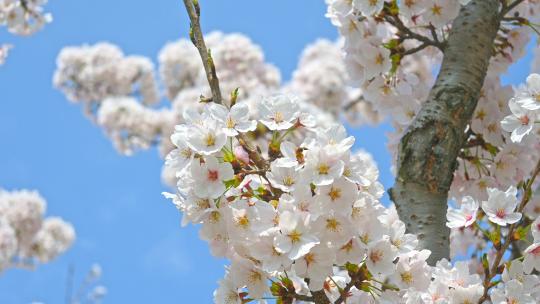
(464, 216)
(530, 99)
(404, 243)
(285, 178)
(441, 12)
(227, 292)
(368, 7)
(338, 196)
(207, 138)
(412, 273)
(520, 123)
(55, 237)
(470, 294)
(209, 177)
(410, 8)
(245, 273)
(532, 258)
(234, 121)
(294, 240)
(265, 251)
(376, 60)
(316, 265)
(323, 168)
(500, 206)
(278, 112)
(179, 158)
(334, 139)
(511, 292)
(380, 258)
(333, 228)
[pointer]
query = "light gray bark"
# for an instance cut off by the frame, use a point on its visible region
(427, 156)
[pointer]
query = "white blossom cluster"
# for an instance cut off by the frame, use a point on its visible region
(493, 203)
(25, 235)
(23, 17)
(121, 91)
(394, 83)
(90, 291)
(299, 218)
(4, 51)
(89, 74)
(321, 78)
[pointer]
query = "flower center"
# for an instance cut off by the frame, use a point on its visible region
(524, 120)
(278, 117)
(376, 256)
(406, 277)
(500, 213)
(288, 181)
(209, 140)
(309, 258)
(213, 175)
(242, 221)
(295, 236)
(323, 169)
(332, 224)
(372, 2)
(230, 123)
(379, 59)
(203, 204)
(254, 276)
(185, 153)
(335, 193)
(436, 10)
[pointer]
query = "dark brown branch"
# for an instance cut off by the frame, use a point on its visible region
(406, 33)
(508, 8)
(193, 10)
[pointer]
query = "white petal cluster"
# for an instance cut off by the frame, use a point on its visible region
(525, 108)
(25, 235)
(89, 74)
(4, 52)
(23, 17)
(321, 78)
(286, 211)
(397, 86)
(120, 91)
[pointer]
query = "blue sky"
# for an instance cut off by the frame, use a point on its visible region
(114, 202)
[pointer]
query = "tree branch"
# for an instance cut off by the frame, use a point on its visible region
(427, 155)
(407, 33)
(195, 33)
(510, 236)
(509, 7)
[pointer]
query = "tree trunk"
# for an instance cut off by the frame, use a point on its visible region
(427, 156)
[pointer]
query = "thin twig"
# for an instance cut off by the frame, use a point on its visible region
(195, 33)
(407, 33)
(506, 9)
(508, 240)
(69, 284)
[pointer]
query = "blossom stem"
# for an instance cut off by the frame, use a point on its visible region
(193, 10)
(508, 240)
